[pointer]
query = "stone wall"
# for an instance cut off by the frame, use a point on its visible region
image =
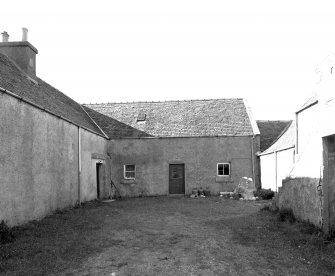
(200, 155)
(301, 195)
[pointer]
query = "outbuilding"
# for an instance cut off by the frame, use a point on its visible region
(173, 147)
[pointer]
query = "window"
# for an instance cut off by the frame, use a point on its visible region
(129, 171)
(223, 169)
(141, 117)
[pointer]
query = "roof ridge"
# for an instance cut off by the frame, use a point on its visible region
(273, 120)
(165, 101)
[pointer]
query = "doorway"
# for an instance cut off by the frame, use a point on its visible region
(177, 179)
(329, 177)
(99, 179)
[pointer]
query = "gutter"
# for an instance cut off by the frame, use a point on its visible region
(174, 137)
(271, 152)
(306, 107)
(48, 111)
(276, 169)
(253, 158)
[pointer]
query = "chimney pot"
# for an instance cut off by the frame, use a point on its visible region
(5, 36)
(24, 34)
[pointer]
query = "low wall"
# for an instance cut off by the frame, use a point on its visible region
(301, 195)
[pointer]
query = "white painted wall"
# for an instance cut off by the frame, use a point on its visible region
(272, 168)
(285, 161)
(268, 171)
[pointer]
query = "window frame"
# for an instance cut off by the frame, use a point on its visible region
(125, 171)
(217, 169)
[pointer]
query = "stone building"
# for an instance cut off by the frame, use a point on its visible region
(309, 188)
(174, 146)
(52, 154)
(55, 153)
(277, 160)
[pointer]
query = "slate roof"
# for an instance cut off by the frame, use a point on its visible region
(284, 141)
(114, 128)
(191, 118)
(270, 130)
(42, 94)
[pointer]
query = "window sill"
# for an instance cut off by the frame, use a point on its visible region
(223, 179)
(128, 181)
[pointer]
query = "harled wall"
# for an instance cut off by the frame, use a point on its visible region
(200, 155)
(39, 162)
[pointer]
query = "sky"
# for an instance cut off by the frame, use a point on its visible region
(151, 50)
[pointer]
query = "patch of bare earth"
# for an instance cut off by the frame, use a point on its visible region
(166, 236)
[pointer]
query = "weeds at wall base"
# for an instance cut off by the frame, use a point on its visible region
(286, 214)
(304, 227)
(6, 233)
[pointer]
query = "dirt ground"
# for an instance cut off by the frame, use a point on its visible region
(166, 236)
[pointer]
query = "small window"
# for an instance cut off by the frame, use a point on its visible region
(141, 117)
(129, 171)
(223, 169)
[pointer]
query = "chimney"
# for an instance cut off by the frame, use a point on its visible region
(5, 36)
(21, 52)
(24, 34)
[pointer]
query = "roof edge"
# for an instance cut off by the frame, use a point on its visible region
(270, 152)
(275, 141)
(18, 44)
(48, 111)
(306, 107)
(167, 101)
(94, 122)
(174, 137)
(253, 122)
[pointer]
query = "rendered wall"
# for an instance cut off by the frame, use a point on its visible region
(308, 126)
(93, 151)
(285, 160)
(39, 162)
(309, 183)
(300, 190)
(268, 171)
(200, 156)
(301, 195)
(276, 165)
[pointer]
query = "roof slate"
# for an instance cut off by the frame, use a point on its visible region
(216, 117)
(42, 94)
(114, 128)
(270, 130)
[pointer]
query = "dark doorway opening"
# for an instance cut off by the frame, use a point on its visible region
(177, 179)
(98, 171)
(329, 177)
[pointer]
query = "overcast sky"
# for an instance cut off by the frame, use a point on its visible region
(140, 50)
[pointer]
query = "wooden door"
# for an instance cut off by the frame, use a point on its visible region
(177, 179)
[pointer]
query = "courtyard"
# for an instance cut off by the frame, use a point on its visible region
(166, 236)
